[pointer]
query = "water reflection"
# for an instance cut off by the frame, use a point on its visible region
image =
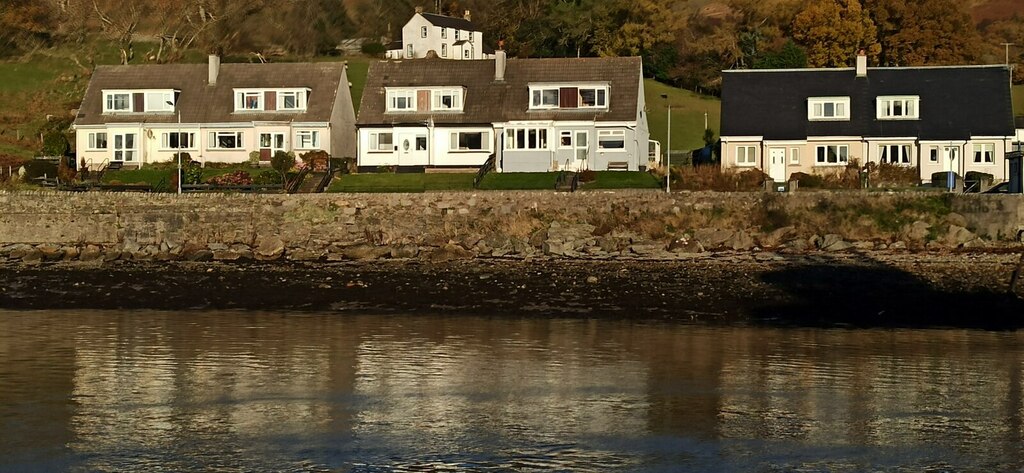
(241, 391)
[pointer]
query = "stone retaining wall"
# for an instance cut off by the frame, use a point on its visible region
(441, 226)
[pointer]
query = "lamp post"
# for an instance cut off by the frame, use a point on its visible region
(178, 112)
(668, 150)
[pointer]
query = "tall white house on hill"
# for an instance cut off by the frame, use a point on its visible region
(445, 37)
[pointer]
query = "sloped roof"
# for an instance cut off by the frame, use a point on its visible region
(449, 22)
(200, 103)
(489, 101)
(956, 102)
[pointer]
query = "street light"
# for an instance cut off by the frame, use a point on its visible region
(178, 112)
(668, 150)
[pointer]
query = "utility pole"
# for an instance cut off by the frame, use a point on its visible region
(1007, 46)
(668, 152)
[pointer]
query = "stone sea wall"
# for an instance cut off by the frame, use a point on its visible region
(48, 226)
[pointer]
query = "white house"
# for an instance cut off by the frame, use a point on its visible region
(144, 114)
(532, 114)
(935, 119)
(433, 35)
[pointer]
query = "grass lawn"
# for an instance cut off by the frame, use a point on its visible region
(622, 180)
(687, 115)
(401, 182)
(519, 181)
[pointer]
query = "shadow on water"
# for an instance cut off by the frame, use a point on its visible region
(870, 293)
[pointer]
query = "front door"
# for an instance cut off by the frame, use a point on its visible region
(270, 144)
(412, 149)
(951, 158)
(582, 150)
(777, 164)
(124, 147)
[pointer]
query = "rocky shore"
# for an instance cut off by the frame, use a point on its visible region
(861, 289)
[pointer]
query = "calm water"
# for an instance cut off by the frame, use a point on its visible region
(270, 392)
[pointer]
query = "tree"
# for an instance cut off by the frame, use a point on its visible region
(833, 31)
(24, 24)
(924, 32)
(282, 162)
(119, 21)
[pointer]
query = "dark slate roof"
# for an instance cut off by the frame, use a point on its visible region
(200, 103)
(394, 45)
(956, 102)
(449, 22)
(488, 101)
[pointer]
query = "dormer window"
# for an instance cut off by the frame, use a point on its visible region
(401, 100)
(828, 108)
(291, 100)
(117, 102)
(447, 100)
(248, 100)
(160, 101)
(898, 108)
(569, 97)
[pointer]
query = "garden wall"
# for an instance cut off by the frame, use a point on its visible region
(441, 226)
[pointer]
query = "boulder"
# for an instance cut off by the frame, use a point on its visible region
(957, 236)
(404, 251)
(51, 252)
(90, 253)
(553, 248)
(302, 254)
(449, 253)
(199, 255)
(740, 241)
(685, 245)
(712, 237)
(775, 237)
(19, 250)
(269, 248)
(916, 232)
(363, 251)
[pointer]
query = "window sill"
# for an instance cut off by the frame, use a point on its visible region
(469, 151)
(175, 150)
(746, 165)
(844, 119)
(897, 119)
(831, 165)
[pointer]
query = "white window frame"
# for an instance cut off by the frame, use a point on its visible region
(794, 155)
(455, 139)
(94, 140)
(615, 135)
(394, 94)
(213, 141)
(562, 135)
(109, 97)
(746, 155)
(437, 100)
(908, 106)
(842, 153)
(242, 94)
(988, 149)
(817, 107)
(408, 51)
(165, 140)
(301, 99)
(600, 96)
(537, 95)
(374, 143)
(444, 33)
(423, 32)
(127, 154)
(905, 157)
(933, 154)
(444, 49)
(518, 138)
(310, 136)
(156, 101)
(457, 34)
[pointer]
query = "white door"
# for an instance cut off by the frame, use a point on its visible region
(582, 146)
(412, 149)
(951, 158)
(271, 143)
(777, 164)
(124, 147)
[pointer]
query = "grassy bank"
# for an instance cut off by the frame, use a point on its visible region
(688, 110)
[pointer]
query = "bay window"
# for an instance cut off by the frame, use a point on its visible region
(526, 138)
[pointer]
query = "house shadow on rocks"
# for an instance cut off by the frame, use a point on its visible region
(868, 293)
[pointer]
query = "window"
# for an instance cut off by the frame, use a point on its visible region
(985, 153)
(565, 139)
(544, 98)
(381, 142)
(933, 154)
(291, 100)
(526, 138)
(124, 147)
(117, 102)
(447, 99)
(746, 155)
(828, 108)
(794, 155)
(248, 100)
(444, 34)
(894, 154)
(833, 154)
(897, 108)
(98, 140)
(177, 140)
(308, 139)
(465, 53)
(408, 51)
(611, 139)
(423, 32)
(444, 49)
(401, 100)
(593, 97)
(225, 140)
(470, 140)
(160, 101)
(456, 35)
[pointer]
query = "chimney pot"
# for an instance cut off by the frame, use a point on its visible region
(419, 10)
(467, 16)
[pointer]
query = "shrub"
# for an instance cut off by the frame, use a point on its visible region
(893, 175)
(66, 173)
(55, 143)
(254, 159)
(715, 178)
(318, 160)
(373, 49)
(37, 168)
(237, 178)
(808, 181)
(588, 176)
(282, 162)
(267, 177)
(192, 172)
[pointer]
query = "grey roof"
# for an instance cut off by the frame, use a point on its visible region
(489, 101)
(956, 102)
(200, 103)
(449, 22)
